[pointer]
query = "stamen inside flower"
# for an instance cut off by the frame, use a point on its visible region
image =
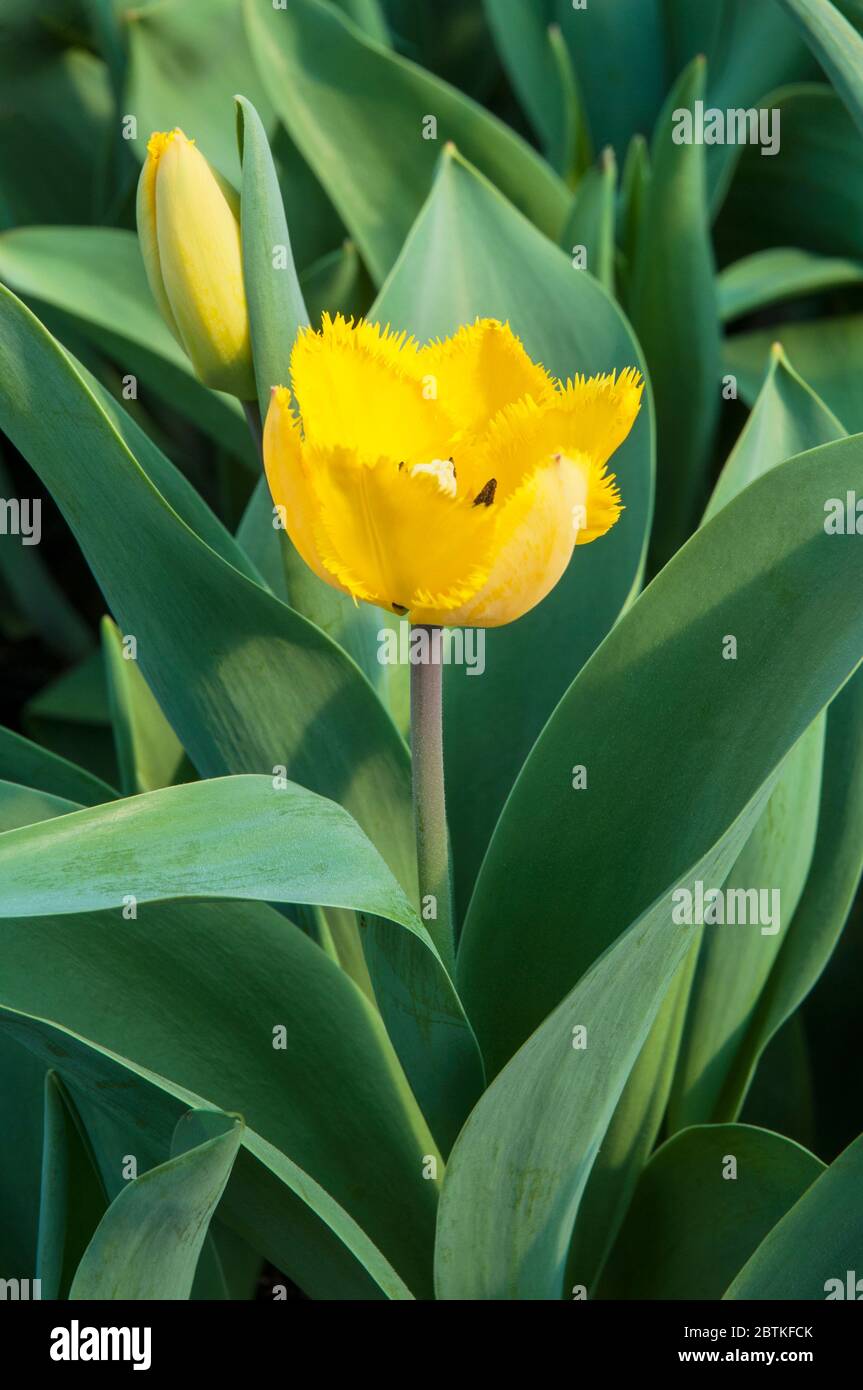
(440, 469)
(485, 496)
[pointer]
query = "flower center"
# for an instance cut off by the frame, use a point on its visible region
(442, 470)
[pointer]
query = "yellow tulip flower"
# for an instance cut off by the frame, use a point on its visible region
(189, 233)
(450, 482)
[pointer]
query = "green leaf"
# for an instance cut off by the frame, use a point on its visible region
(247, 684)
(277, 312)
(813, 1247)
(834, 876)
(634, 185)
(357, 110)
(540, 68)
(148, 1242)
(446, 277)
(234, 837)
(750, 50)
(337, 284)
(199, 1030)
(771, 277)
(837, 46)
(149, 753)
(212, 987)
(72, 1198)
(71, 716)
(813, 184)
(519, 1168)
(95, 275)
(618, 52)
(591, 222)
(828, 353)
(53, 129)
(692, 1225)
(23, 761)
(656, 689)
(672, 304)
(735, 962)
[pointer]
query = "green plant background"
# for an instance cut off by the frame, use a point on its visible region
(260, 1079)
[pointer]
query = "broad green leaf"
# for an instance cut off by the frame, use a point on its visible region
(750, 50)
(634, 183)
(233, 837)
(693, 1222)
(570, 154)
(736, 961)
(277, 312)
(656, 689)
(838, 47)
(149, 754)
(71, 716)
(206, 1009)
(72, 1198)
(186, 73)
(54, 128)
(828, 353)
(211, 984)
(148, 1242)
(770, 277)
(672, 303)
(834, 877)
(25, 806)
(368, 16)
(591, 222)
(618, 52)
(519, 1168)
(23, 761)
(95, 275)
(540, 67)
(811, 1250)
(446, 277)
(247, 684)
(357, 112)
(811, 186)
(631, 1134)
(337, 284)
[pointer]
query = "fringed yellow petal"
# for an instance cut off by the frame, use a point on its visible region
(360, 386)
(586, 418)
(602, 505)
(396, 538)
(535, 531)
(286, 476)
(480, 370)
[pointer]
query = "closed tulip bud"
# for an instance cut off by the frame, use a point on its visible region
(189, 232)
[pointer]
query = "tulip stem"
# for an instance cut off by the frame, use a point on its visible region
(433, 861)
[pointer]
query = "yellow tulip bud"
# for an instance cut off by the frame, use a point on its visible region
(189, 232)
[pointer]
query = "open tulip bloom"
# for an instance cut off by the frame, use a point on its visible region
(449, 483)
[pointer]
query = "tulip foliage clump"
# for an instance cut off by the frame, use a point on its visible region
(431, 788)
